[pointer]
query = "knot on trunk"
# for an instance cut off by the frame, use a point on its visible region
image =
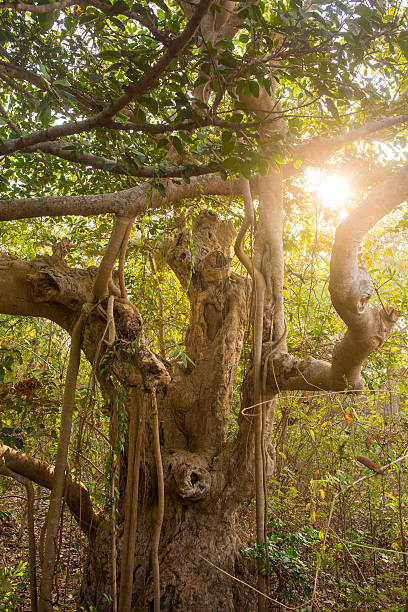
(61, 249)
(206, 249)
(388, 317)
(52, 280)
(188, 476)
(213, 268)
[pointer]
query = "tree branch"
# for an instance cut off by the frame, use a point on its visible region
(318, 150)
(150, 25)
(106, 8)
(144, 84)
(64, 150)
(76, 494)
(38, 9)
(130, 202)
(350, 290)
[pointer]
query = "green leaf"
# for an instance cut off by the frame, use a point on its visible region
(177, 144)
(63, 82)
(403, 45)
(227, 147)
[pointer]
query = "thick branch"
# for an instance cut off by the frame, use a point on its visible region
(133, 201)
(350, 285)
(130, 202)
(350, 290)
(37, 8)
(76, 494)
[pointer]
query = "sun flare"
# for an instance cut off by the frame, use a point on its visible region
(331, 189)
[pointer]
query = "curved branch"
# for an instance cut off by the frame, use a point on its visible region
(76, 494)
(350, 285)
(350, 290)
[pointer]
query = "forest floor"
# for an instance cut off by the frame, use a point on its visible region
(370, 584)
(14, 575)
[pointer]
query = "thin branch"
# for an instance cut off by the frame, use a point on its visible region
(38, 9)
(149, 24)
(12, 70)
(65, 151)
(105, 7)
(317, 150)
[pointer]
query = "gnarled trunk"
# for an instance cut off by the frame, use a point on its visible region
(195, 537)
(199, 530)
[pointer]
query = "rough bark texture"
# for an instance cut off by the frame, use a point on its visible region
(194, 415)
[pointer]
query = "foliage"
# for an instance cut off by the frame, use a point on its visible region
(13, 581)
(336, 64)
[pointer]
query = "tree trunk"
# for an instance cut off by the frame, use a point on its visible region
(192, 535)
(199, 529)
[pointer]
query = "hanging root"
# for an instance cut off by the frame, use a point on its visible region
(104, 275)
(113, 548)
(122, 256)
(259, 417)
(54, 510)
(159, 512)
(131, 505)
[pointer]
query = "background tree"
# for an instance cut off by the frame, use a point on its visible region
(206, 102)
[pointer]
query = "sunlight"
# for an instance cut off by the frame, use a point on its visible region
(332, 189)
